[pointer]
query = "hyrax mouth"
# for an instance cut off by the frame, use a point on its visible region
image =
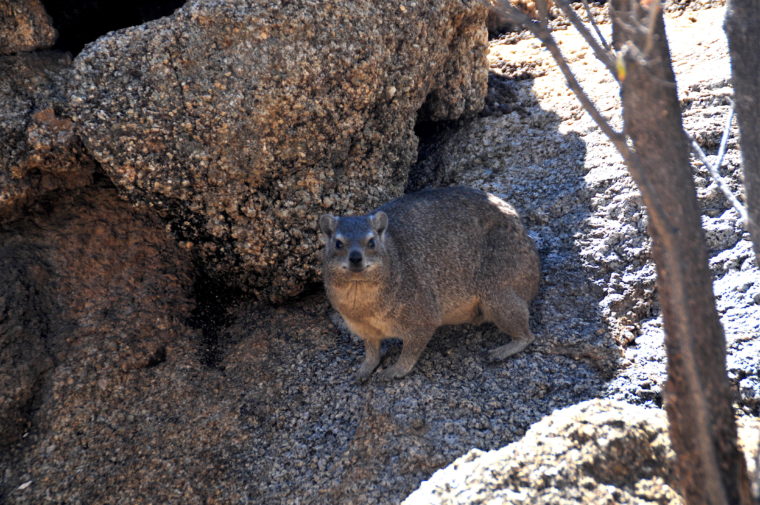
(356, 269)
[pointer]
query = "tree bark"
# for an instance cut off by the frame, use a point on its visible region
(743, 31)
(710, 468)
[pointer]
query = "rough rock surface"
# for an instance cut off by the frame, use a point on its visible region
(39, 150)
(594, 452)
(242, 122)
(88, 287)
(24, 26)
(598, 451)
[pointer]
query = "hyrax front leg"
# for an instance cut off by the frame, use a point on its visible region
(410, 353)
(510, 313)
(371, 359)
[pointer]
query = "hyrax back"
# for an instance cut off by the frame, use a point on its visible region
(428, 259)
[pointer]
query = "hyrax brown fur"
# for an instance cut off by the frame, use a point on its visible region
(428, 259)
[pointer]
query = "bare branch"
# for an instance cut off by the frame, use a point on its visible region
(623, 24)
(713, 169)
(543, 11)
(602, 54)
(542, 33)
(655, 6)
(515, 15)
(591, 20)
(724, 138)
(619, 140)
(614, 135)
(631, 24)
(719, 181)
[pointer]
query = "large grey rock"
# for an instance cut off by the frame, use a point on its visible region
(596, 452)
(39, 150)
(277, 419)
(242, 121)
(24, 26)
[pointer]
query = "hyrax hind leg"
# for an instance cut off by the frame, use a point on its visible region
(510, 313)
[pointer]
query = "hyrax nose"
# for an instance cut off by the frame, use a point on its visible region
(355, 258)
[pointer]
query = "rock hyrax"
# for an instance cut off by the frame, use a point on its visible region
(428, 259)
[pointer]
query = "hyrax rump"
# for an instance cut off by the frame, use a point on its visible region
(428, 259)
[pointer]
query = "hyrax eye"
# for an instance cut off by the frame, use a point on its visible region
(339, 244)
(371, 243)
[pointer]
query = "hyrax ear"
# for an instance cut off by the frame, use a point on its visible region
(379, 222)
(327, 224)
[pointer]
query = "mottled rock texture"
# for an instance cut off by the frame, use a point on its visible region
(596, 452)
(24, 26)
(241, 122)
(88, 287)
(276, 419)
(39, 150)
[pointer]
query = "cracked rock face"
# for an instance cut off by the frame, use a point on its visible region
(241, 122)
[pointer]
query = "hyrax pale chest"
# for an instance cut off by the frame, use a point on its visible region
(428, 259)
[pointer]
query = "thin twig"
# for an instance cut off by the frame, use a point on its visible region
(542, 33)
(601, 53)
(618, 139)
(632, 23)
(655, 6)
(713, 169)
(625, 26)
(591, 20)
(543, 11)
(515, 15)
(724, 138)
(575, 86)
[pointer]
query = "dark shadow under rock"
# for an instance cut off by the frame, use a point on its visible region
(79, 22)
(523, 157)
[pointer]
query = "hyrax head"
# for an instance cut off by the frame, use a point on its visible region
(354, 246)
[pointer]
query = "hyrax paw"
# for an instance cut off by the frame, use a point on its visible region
(365, 371)
(362, 375)
(392, 372)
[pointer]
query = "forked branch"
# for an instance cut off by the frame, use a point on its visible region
(713, 169)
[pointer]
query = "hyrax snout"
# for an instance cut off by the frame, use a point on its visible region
(425, 260)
